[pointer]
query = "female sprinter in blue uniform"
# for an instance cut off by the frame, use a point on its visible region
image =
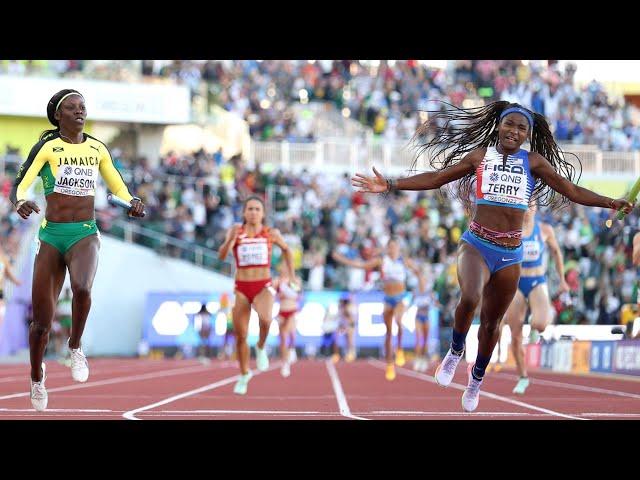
(423, 298)
(482, 145)
(394, 275)
(532, 288)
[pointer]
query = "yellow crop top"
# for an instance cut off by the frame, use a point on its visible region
(69, 168)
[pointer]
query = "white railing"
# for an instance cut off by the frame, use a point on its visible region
(349, 155)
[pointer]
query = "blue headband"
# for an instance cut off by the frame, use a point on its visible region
(522, 111)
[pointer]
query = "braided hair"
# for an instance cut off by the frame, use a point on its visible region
(459, 131)
(51, 111)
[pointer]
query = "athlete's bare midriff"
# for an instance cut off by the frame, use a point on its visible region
(539, 271)
(288, 304)
(501, 219)
(253, 274)
(393, 288)
(67, 208)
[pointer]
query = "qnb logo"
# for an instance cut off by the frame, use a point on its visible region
(68, 170)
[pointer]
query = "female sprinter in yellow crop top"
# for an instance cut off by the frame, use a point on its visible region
(68, 161)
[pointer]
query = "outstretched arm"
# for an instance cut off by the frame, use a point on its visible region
(541, 168)
(368, 265)
(422, 181)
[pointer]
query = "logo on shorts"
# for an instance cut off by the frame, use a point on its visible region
(507, 259)
(86, 225)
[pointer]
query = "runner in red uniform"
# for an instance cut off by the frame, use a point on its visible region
(251, 243)
(288, 296)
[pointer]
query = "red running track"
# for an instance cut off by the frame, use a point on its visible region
(317, 389)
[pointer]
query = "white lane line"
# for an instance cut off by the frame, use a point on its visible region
(337, 389)
(294, 416)
(131, 414)
(68, 410)
(66, 374)
(275, 412)
(421, 376)
(146, 376)
(607, 414)
(41, 415)
(466, 414)
(570, 386)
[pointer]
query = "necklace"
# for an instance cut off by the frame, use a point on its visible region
(64, 136)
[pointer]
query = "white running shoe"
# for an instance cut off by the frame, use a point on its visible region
(79, 365)
(242, 383)
(447, 369)
(262, 360)
(285, 371)
(471, 395)
(39, 396)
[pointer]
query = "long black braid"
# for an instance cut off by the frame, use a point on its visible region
(458, 131)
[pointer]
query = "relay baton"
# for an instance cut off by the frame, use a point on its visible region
(118, 202)
(631, 198)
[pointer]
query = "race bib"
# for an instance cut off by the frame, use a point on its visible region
(253, 254)
(531, 250)
(503, 183)
(79, 181)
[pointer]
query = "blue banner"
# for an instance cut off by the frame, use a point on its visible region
(169, 320)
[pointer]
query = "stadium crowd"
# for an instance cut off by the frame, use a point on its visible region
(386, 96)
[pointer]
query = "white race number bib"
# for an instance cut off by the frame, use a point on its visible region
(253, 254)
